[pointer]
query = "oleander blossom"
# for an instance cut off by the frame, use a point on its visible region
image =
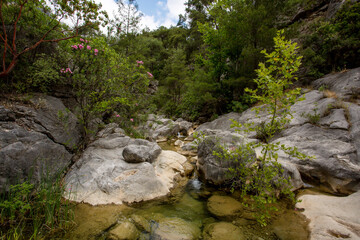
(149, 74)
(74, 46)
(131, 119)
(81, 46)
(96, 51)
(88, 47)
(81, 40)
(140, 62)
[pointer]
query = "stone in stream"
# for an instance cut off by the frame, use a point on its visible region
(176, 229)
(102, 176)
(222, 230)
(124, 231)
(332, 217)
(141, 223)
(224, 207)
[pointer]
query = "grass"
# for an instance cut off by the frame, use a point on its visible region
(34, 212)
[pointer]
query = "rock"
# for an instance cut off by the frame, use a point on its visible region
(141, 223)
(176, 229)
(336, 120)
(141, 153)
(179, 143)
(332, 217)
(52, 118)
(222, 123)
(314, 100)
(110, 129)
(36, 140)
(158, 127)
(222, 230)
(354, 117)
(125, 231)
(26, 154)
(345, 84)
(102, 176)
(215, 169)
(188, 168)
(288, 227)
(224, 207)
(190, 147)
(290, 170)
(333, 165)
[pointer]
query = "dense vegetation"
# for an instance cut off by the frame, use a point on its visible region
(197, 70)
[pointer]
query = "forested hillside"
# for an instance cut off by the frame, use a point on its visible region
(196, 70)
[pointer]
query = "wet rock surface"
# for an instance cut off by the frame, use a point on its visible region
(222, 230)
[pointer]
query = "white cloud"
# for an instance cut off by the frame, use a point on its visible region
(169, 16)
(175, 8)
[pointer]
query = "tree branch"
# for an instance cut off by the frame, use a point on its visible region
(15, 24)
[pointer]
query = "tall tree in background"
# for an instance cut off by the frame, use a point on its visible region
(127, 24)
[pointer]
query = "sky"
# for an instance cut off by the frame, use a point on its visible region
(156, 12)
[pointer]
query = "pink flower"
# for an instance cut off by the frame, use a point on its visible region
(87, 41)
(82, 40)
(117, 115)
(139, 62)
(68, 70)
(150, 75)
(136, 104)
(96, 51)
(131, 119)
(81, 46)
(62, 70)
(74, 46)
(88, 47)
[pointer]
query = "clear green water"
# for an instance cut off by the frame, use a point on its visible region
(188, 205)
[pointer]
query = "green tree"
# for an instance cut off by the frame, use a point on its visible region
(18, 17)
(264, 179)
(102, 79)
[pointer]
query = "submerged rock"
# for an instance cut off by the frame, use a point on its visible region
(224, 207)
(124, 231)
(222, 230)
(332, 217)
(176, 229)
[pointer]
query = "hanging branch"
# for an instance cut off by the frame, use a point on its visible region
(6, 69)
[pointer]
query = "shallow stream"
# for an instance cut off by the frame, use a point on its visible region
(186, 210)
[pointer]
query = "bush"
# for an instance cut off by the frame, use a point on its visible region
(29, 212)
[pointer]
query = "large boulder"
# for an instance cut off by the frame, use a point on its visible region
(215, 169)
(332, 217)
(141, 153)
(36, 139)
(102, 176)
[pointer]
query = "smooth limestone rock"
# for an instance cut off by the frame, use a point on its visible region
(331, 217)
(224, 207)
(102, 176)
(141, 223)
(222, 230)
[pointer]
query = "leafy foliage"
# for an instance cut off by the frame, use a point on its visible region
(263, 179)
